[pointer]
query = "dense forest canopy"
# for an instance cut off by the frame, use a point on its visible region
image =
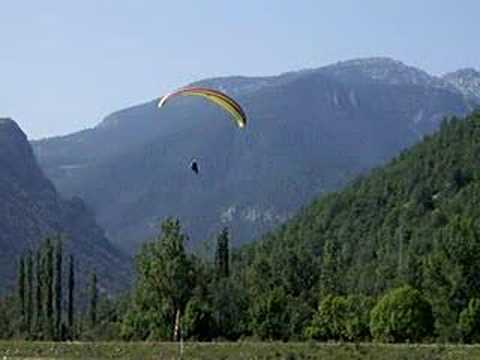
(414, 221)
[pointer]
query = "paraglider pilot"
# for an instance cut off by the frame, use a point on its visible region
(194, 166)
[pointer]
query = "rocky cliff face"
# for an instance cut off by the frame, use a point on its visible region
(309, 132)
(467, 81)
(31, 209)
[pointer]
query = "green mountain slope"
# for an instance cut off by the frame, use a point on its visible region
(414, 221)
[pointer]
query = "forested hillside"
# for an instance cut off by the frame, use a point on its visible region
(414, 221)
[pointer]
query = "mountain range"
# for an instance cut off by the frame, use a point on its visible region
(309, 132)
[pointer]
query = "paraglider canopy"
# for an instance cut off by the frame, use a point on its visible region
(215, 96)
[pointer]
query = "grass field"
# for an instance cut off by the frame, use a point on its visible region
(240, 350)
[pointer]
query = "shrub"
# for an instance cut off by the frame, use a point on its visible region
(341, 318)
(402, 315)
(469, 322)
(269, 316)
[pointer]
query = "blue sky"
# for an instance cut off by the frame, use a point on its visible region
(64, 65)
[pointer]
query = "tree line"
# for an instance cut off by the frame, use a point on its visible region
(44, 306)
(178, 295)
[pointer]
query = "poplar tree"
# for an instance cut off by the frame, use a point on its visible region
(222, 254)
(58, 287)
(71, 289)
(48, 268)
(38, 293)
(29, 291)
(93, 301)
(21, 291)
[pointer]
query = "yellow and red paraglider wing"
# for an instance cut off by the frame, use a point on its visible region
(217, 97)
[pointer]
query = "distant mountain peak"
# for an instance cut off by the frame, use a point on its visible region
(376, 64)
(16, 155)
(373, 60)
(467, 81)
(387, 70)
(376, 68)
(7, 124)
(5, 120)
(469, 71)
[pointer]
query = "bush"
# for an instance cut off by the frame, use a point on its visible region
(7, 316)
(469, 322)
(229, 305)
(356, 326)
(402, 315)
(197, 322)
(269, 316)
(341, 318)
(328, 322)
